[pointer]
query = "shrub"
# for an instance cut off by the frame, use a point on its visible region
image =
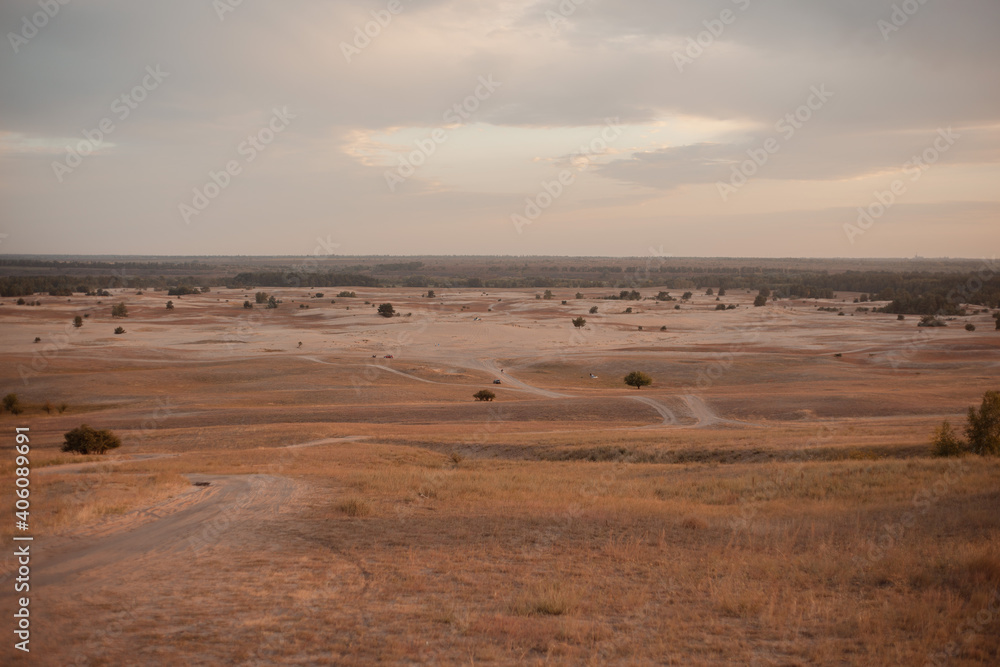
(983, 427)
(431, 294)
(628, 310)
(38, 339)
(346, 295)
(720, 306)
(86, 440)
(47, 407)
(970, 327)
(945, 442)
(579, 295)
(170, 305)
(272, 302)
(355, 508)
(686, 296)
(579, 322)
(677, 307)
(709, 292)
(931, 321)
(62, 408)
(638, 379)
(386, 310)
(261, 297)
(663, 328)
(722, 291)
(319, 295)
(119, 310)
(78, 321)
(760, 300)
(548, 294)
(119, 331)
(11, 404)
(593, 311)
(484, 395)
(247, 304)
(901, 317)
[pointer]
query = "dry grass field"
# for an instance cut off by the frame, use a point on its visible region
(287, 494)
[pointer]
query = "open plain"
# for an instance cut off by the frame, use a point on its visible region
(317, 485)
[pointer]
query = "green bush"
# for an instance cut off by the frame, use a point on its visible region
(638, 379)
(119, 310)
(484, 395)
(11, 404)
(86, 440)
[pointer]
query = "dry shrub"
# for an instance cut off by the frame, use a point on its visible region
(694, 523)
(548, 599)
(355, 507)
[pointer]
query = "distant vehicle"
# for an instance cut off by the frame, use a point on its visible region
(496, 382)
(388, 356)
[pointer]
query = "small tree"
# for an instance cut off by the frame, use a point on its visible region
(272, 302)
(484, 395)
(430, 294)
(945, 442)
(593, 311)
(247, 305)
(261, 297)
(548, 294)
(579, 295)
(983, 427)
(119, 331)
(11, 404)
(638, 379)
(78, 321)
(119, 310)
(386, 310)
(709, 292)
(687, 295)
(170, 305)
(722, 291)
(86, 440)
(760, 300)
(970, 327)
(579, 322)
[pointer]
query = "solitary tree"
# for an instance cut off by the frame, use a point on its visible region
(86, 440)
(638, 379)
(760, 300)
(78, 321)
(170, 305)
(119, 331)
(484, 395)
(579, 322)
(119, 310)
(593, 311)
(261, 297)
(708, 292)
(386, 310)
(247, 304)
(430, 294)
(983, 428)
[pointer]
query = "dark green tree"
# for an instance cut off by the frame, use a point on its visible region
(86, 440)
(638, 379)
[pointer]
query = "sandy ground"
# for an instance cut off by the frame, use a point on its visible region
(245, 404)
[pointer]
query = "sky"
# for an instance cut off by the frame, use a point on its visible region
(742, 128)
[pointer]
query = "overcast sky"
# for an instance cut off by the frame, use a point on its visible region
(581, 127)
